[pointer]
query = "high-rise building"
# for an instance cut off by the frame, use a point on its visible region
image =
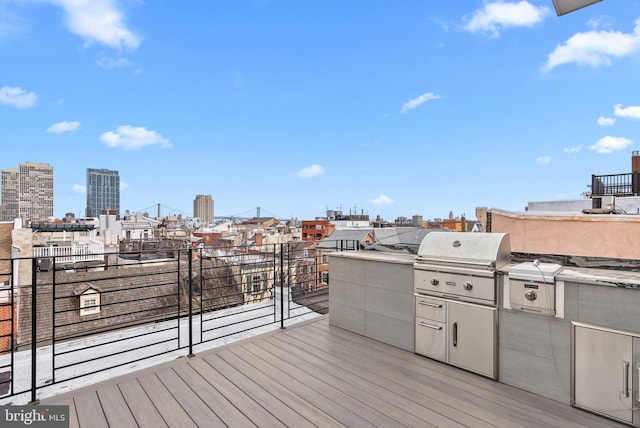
(10, 194)
(203, 208)
(103, 192)
(27, 192)
(36, 191)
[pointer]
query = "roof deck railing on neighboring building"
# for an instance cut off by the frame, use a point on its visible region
(71, 253)
(616, 184)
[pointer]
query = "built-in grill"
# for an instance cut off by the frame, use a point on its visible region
(461, 265)
(455, 283)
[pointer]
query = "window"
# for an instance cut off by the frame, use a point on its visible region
(256, 283)
(324, 259)
(325, 278)
(309, 269)
(90, 302)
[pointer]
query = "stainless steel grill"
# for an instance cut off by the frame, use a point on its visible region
(461, 265)
(455, 290)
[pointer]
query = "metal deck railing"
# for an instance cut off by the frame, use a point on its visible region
(104, 317)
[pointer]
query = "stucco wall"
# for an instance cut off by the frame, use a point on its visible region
(614, 236)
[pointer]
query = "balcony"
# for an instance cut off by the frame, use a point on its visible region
(71, 252)
(615, 184)
(256, 353)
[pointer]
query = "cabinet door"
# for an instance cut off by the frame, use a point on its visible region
(431, 339)
(636, 381)
(602, 372)
(472, 337)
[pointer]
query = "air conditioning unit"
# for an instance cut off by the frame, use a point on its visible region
(45, 264)
(604, 202)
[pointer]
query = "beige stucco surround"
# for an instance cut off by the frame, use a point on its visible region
(589, 235)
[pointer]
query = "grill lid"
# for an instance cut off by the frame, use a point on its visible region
(487, 250)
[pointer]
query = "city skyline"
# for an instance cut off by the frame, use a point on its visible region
(420, 108)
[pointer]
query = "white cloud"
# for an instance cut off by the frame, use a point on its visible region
(382, 200)
(497, 15)
(310, 171)
(411, 104)
(631, 112)
(543, 160)
(574, 149)
(133, 138)
(98, 21)
(78, 188)
(11, 24)
(606, 121)
(610, 144)
(61, 127)
(109, 63)
(601, 21)
(595, 48)
(17, 97)
(123, 186)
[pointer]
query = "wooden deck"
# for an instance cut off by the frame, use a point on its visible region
(313, 374)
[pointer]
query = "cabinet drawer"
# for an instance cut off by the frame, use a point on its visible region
(431, 308)
(431, 339)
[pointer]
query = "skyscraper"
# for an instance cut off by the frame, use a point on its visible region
(10, 194)
(27, 192)
(203, 208)
(103, 191)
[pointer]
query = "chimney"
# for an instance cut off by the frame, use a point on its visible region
(635, 161)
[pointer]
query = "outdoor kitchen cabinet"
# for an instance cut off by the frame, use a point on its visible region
(458, 333)
(606, 370)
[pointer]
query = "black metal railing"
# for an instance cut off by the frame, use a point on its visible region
(615, 184)
(88, 321)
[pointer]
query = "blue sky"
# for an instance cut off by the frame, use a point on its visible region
(391, 108)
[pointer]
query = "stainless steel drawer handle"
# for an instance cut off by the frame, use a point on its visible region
(455, 333)
(432, 305)
(435, 327)
(638, 369)
(625, 379)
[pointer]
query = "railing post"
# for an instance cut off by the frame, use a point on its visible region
(178, 295)
(34, 333)
(281, 286)
(53, 321)
(201, 295)
(190, 303)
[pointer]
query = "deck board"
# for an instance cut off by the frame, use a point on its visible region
(272, 394)
(115, 407)
(251, 410)
(378, 398)
(327, 388)
(548, 413)
(299, 387)
(141, 406)
(394, 392)
(89, 411)
(192, 404)
(313, 374)
(170, 409)
(73, 417)
(406, 375)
